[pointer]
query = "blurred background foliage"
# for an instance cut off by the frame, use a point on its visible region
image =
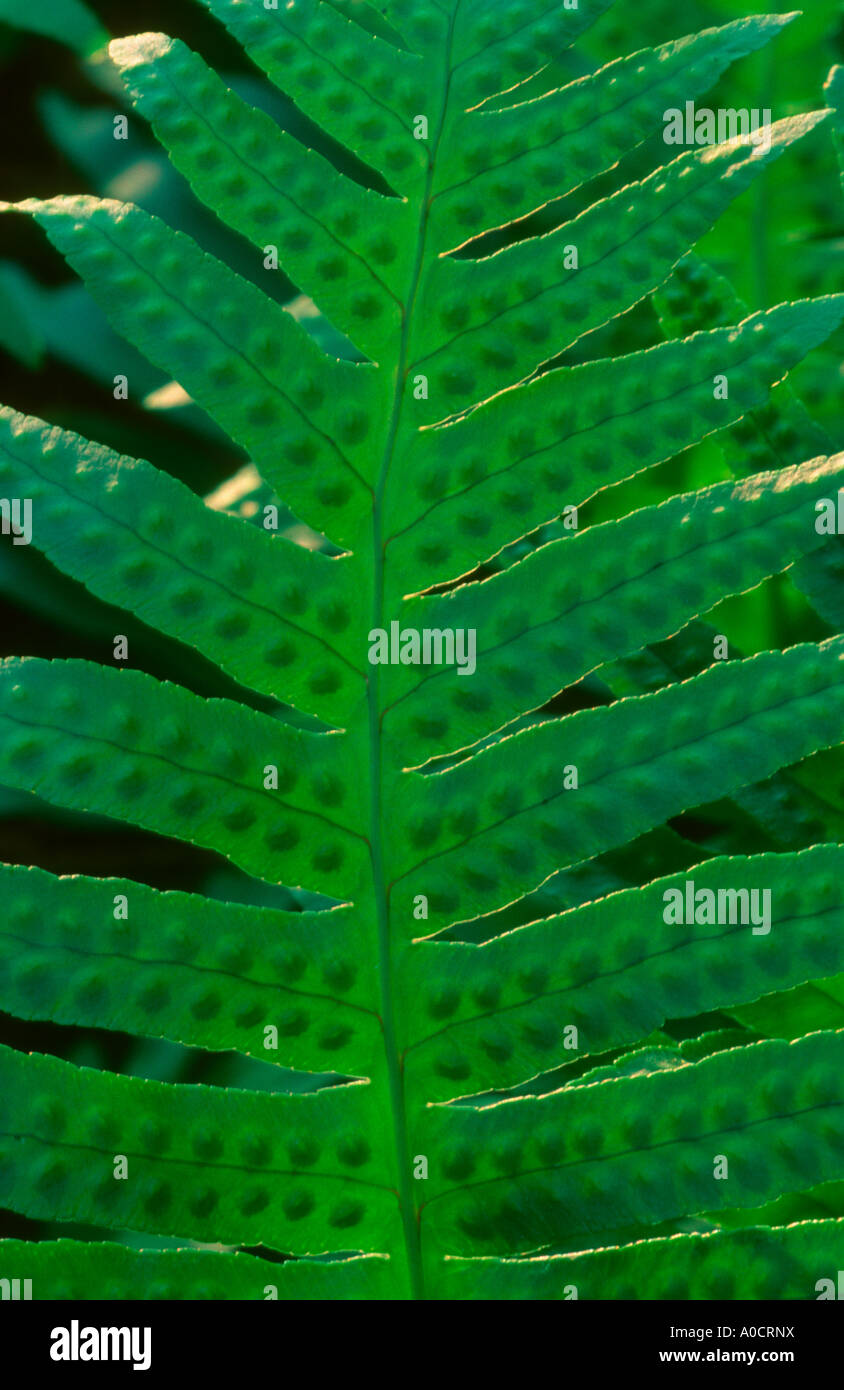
(58, 357)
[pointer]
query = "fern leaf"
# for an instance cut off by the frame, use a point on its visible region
(266, 612)
(600, 593)
(212, 1172)
(494, 50)
(69, 21)
(67, 1269)
(756, 1263)
(764, 438)
(486, 1017)
(90, 738)
(335, 241)
(470, 346)
(528, 1172)
(492, 849)
(618, 106)
(157, 286)
(357, 85)
(576, 430)
(111, 953)
(512, 819)
(793, 1012)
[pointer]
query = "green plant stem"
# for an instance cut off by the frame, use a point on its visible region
(410, 1215)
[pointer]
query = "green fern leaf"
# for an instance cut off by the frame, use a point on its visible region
(187, 969)
(70, 1268)
(557, 1169)
(494, 1070)
(497, 1013)
(142, 541)
(756, 1263)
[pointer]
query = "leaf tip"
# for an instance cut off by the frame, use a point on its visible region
(138, 49)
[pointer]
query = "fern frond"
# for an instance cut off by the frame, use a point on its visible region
(556, 1169)
(563, 437)
(158, 286)
(498, 1067)
(565, 609)
(178, 966)
(70, 1268)
(486, 1017)
(764, 1263)
(510, 818)
(266, 613)
(95, 739)
(199, 1157)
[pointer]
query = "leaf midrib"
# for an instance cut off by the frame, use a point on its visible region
(409, 1213)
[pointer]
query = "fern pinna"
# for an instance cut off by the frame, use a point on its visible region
(499, 1111)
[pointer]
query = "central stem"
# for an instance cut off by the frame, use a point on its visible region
(385, 968)
(410, 1220)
